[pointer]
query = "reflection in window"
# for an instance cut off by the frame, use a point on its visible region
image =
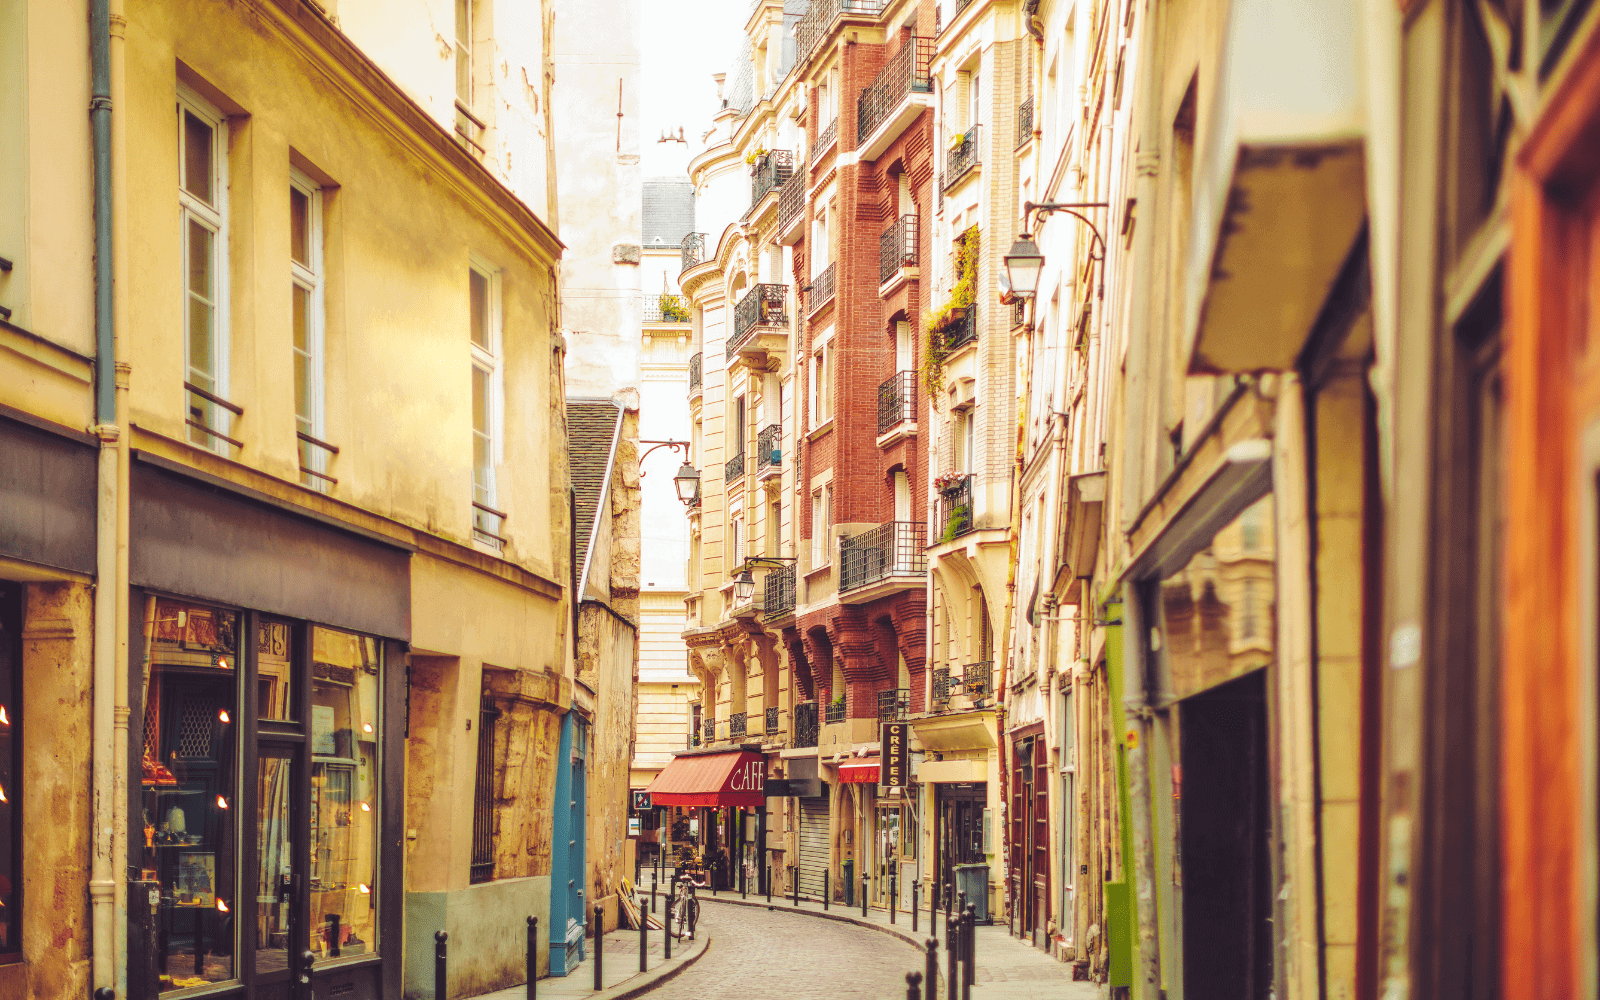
(344, 793)
(189, 787)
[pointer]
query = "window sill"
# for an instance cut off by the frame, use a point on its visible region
(818, 432)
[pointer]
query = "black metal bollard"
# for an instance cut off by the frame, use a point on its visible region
(744, 880)
(827, 873)
(969, 945)
(913, 986)
(769, 887)
(894, 899)
(863, 895)
(441, 965)
(952, 972)
(930, 969)
(599, 942)
(666, 939)
(794, 883)
(916, 903)
(644, 939)
(533, 958)
(105, 993)
(653, 896)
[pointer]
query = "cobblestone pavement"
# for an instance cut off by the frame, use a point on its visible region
(756, 954)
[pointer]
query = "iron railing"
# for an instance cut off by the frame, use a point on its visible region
(835, 713)
(692, 251)
(897, 400)
(892, 549)
(792, 198)
(734, 468)
(904, 74)
(1025, 121)
(780, 586)
(674, 313)
(737, 725)
(771, 170)
(769, 448)
(772, 721)
(828, 133)
(940, 678)
(818, 20)
(977, 682)
(894, 704)
(822, 287)
(484, 795)
(804, 722)
(696, 377)
(962, 331)
(710, 734)
(961, 5)
(761, 306)
(897, 248)
(962, 157)
(954, 512)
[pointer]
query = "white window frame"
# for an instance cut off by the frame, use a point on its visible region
(488, 359)
(311, 276)
(822, 526)
(215, 218)
(464, 45)
(823, 366)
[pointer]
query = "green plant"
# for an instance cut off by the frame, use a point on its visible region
(940, 320)
(673, 308)
(838, 699)
(755, 154)
(955, 520)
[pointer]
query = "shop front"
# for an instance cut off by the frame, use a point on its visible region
(727, 792)
(267, 711)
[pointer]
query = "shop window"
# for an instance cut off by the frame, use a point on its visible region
(483, 795)
(10, 769)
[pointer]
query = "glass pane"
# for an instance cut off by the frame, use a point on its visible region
(198, 148)
(464, 74)
(302, 318)
(480, 469)
(480, 400)
(189, 787)
(344, 794)
(480, 309)
(274, 678)
(274, 844)
(201, 244)
(300, 226)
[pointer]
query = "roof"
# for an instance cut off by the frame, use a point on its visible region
(668, 211)
(592, 428)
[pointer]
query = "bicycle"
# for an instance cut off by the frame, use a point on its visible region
(684, 908)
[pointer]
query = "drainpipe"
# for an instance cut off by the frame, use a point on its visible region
(1136, 707)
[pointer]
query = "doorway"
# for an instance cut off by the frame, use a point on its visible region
(959, 839)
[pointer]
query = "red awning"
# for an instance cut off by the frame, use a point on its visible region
(736, 779)
(859, 772)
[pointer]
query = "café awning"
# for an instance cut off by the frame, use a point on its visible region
(735, 779)
(859, 772)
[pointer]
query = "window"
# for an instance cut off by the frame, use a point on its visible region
(305, 266)
(464, 52)
(202, 202)
(965, 443)
(822, 526)
(974, 109)
(483, 795)
(819, 242)
(11, 600)
(736, 539)
(736, 438)
(822, 372)
(484, 311)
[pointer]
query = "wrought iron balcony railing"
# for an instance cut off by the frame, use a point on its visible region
(814, 26)
(897, 401)
(694, 738)
(962, 331)
(780, 585)
(737, 725)
(897, 248)
(771, 170)
(1025, 121)
(829, 133)
(769, 448)
(953, 517)
(905, 73)
(696, 376)
(835, 713)
(772, 721)
(710, 735)
(892, 549)
(792, 198)
(822, 287)
(675, 312)
(805, 725)
(940, 678)
(761, 306)
(734, 468)
(962, 157)
(692, 251)
(977, 682)
(961, 5)
(894, 704)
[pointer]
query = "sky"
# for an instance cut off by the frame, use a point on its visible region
(684, 43)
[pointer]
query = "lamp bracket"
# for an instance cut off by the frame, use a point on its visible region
(1034, 213)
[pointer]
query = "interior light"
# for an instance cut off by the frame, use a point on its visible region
(3, 796)
(222, 715)
(365, 808)
(222, 803)
(222, 661)
(221, 906)
(5, 720)
(364, 888)
(367, 728)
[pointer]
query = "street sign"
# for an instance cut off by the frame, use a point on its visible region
(894, 768)
(641, 802)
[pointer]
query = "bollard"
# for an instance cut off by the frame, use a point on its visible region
(533, 958)
(827, 873)
(913, 986)
(653, 896)
(666, 939)
(952, 973)
(969, 944)
(105, 993)
(441, 977)
(863, 895)
(916, 903)
(894, 901)
(930, 969)
(644, 939)
(599, 941)
(794, 883)
(744, 879)
(769, 887)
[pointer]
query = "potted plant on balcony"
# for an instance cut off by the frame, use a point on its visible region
(673, 308)
(942, 320)
(949, 482)
(754, 157)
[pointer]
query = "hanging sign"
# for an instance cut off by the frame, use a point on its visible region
(894, 771)
(641, 801)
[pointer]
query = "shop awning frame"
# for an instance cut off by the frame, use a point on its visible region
(861, 771)
(735, 779)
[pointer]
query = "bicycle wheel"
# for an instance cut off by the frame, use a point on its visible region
(691, 910)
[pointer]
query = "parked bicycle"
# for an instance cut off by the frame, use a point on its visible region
(685, 908)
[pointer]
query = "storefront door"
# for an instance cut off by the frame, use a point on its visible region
(959, 839)
(278, 933)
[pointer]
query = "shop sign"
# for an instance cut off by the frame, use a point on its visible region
(895, 750)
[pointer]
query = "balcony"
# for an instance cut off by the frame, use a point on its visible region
(953, 514)
(772, 721)
(692, 251)
(1024, 122)
(710, 735)
(666, 309)
(822, 287)
(835, 713)
(962, 157)
(897, 248)
(940, 678)
(805, 724)
(780, 593)
(792, 208)
(733, 468)
(977, 682)
(696, 378)
(818, 22)
(961, 332)
(897, 402)
(758, 320)
(882, 561)
(894, 705)
(828, 136)
(737, 725)
(902, 90)
(769, 174)
(769, 452)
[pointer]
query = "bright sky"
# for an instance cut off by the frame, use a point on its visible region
(684, 43)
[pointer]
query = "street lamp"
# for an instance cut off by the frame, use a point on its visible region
(1023, 265)
(688, 482)
(744, 586)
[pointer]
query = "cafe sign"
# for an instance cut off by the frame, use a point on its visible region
(895, 751)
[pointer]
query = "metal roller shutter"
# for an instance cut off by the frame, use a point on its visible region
(813, 845)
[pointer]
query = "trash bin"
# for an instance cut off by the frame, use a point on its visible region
(974, 881)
